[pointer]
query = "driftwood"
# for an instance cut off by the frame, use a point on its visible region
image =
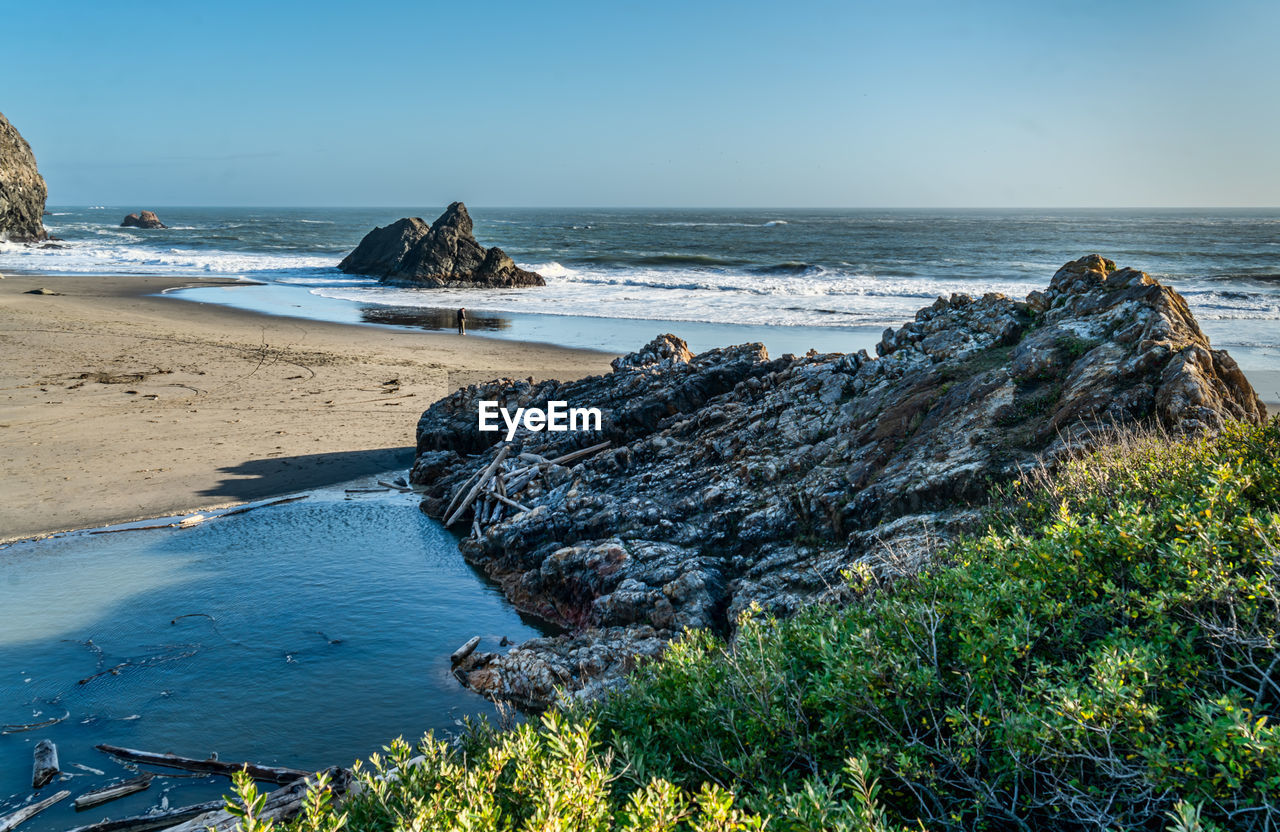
(270, 774)
(462, 489)
(108, 793)
(510, 502)
(154, 820)
(27, 813)
(401, 488)
(561, 460)
(490, 492)
(197, 519)
(45, 767)
(282, 805)
(465, 650)
(32, 726)
(480, 483)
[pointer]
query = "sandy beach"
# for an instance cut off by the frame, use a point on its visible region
(118, 405)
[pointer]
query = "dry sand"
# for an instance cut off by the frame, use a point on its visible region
(116, 405)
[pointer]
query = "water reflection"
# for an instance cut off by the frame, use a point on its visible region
(432, 319)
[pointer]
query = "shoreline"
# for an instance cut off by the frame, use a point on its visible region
(40, 494)
(118, 404)
(609, 334)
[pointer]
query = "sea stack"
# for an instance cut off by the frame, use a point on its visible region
(22, 188)
(142, 219)
(443, 254)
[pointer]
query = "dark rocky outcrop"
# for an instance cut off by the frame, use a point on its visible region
(738, 481)
(444, 253)
(22, 188)
(142, 219)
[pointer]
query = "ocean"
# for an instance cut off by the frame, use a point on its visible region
(795, 279)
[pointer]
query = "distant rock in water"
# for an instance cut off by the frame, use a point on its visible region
(444, 253)
(142, 219)
(22, 188)
(735, 479)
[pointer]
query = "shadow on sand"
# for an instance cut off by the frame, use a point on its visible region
(260, 478)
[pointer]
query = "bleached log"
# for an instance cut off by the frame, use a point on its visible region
(561, 460)
(281, 806)
(105, 795)
(465, 650)
(519, 482)
(26, 813)
(508, 501)
(457, 495)
(271, 774)
(45, 764)
(479, 486)
(153, 820)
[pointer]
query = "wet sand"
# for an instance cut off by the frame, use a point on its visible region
(117, 405)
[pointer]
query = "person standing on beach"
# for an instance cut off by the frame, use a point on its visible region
(462, 321)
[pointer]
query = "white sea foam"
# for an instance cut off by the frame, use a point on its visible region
(716, 297)
(102, 257)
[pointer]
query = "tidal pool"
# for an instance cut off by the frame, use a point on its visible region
(303, 635)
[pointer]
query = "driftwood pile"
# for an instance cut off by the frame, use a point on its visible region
(283, 804)
(493, 490)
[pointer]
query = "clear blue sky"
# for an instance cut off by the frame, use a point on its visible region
(779, 104)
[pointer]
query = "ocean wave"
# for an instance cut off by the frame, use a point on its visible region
(667, 259)
(92, 257)
(788, 268)
(709, 224)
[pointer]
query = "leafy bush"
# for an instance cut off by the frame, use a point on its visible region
(1107, 649)
(554, 776)
(1105, 656)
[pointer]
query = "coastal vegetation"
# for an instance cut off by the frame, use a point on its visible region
(1104, 655)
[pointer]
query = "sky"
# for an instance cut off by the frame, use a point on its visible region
(681, 104)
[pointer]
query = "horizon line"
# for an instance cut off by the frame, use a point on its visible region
(482, 206)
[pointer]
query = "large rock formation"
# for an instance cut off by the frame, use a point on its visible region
(444, 253)
(22, 188)
(736, 480)
(142, 219)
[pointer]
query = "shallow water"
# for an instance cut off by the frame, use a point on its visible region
(315, 632)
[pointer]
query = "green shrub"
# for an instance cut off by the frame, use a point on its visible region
(554, 776)
(1107, 649)
(1105, 656)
